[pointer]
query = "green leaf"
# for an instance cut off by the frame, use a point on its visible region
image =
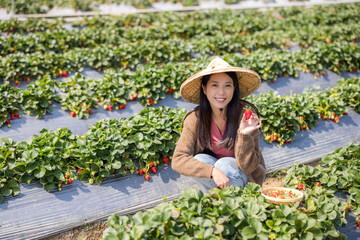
(248, 232)
(5, 191)
(116, 165)
(59, 175)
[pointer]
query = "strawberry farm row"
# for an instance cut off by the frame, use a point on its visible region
(338, 57)
(273, 35)
(236, 213)
(80, 95)
(118, 146)
(231, 21)
(43, 6)
(64, 40)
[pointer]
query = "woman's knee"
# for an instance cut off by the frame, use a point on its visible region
(205, 158)
(228, 166)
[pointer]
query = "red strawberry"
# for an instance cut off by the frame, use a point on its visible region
(17, 115)
(98, 100)
(171, 91)
(336, 119)
(166, 160)
(65, 74)
(347, 208)
(144, 170)
(301, 186)
(17, 83)
(79, 170)
(124, 106)
(70, 181)
(110, 108)
(72, 114)
(153, 169)
(8, 121)
(90, 111)
(6, 33)
(11, 28)
(151, 164)
(140, 172)
(147, 177)
(12, 118)
(345, 113)
(248, 113)
(133, 99)
(359, 224)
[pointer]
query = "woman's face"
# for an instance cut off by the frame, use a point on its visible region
(219, 90)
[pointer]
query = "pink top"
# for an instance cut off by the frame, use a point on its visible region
(216, 137)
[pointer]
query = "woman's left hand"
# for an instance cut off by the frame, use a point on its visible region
(249, 125)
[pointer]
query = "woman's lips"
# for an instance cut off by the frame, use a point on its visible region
(220, 99)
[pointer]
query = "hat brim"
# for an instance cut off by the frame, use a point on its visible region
(249, 81)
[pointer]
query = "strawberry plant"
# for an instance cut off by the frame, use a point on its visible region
(269, 64)
(10, 98)
(38, 97)
(349, 91)
(102, 152)
(9, 179)
(152, 134)
(280, 124)
(44, 158)
(114, 88)
(328, 103)
(337, 172)
(76, 96)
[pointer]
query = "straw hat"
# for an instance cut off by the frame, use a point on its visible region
(249, 81)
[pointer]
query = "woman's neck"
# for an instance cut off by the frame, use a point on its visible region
(219, 115)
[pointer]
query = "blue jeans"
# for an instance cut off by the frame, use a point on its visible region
(228, 166)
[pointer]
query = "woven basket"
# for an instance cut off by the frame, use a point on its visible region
(279, 200)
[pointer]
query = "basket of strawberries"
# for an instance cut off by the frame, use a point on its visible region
(278, 195)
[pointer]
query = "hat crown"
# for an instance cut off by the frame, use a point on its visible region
(217, 63)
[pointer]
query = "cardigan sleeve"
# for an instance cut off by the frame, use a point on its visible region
(183, 161)
(249, 158)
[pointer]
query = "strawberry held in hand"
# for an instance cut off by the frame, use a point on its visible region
(248, 114)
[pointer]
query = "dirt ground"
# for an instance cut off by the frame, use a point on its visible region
(94, 231)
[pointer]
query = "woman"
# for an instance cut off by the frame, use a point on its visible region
(217, 141)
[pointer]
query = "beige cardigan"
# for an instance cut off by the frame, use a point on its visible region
(248, 155)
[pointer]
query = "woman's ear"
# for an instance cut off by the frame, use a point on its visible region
(203, 88)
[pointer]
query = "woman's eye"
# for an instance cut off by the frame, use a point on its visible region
(214, 85)
(228, 85)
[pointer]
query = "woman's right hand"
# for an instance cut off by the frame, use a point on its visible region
(220, 178)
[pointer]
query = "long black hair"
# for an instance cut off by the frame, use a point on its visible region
(232, 116)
